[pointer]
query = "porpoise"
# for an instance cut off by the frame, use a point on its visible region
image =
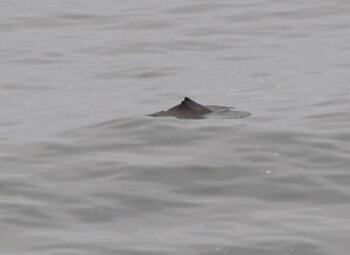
(189, 109)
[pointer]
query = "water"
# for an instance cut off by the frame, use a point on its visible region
(83, 171)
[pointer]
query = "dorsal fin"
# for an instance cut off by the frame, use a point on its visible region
(194, 106)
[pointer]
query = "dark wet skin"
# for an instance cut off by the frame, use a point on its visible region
(188, 109)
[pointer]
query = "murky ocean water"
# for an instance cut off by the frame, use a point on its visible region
(83, 171)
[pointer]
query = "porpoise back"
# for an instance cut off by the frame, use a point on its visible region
(189, 109)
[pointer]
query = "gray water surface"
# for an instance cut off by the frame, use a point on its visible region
(83, 170)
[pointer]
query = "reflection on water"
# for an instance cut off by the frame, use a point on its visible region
(85, 171)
